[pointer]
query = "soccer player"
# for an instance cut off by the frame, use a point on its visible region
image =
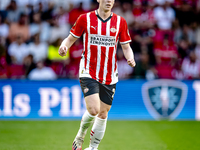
(98, 73)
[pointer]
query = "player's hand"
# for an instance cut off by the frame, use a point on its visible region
(131, 62)
(62, 51)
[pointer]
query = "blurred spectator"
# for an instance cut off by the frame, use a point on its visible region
(47, 14)
(62, 16)
(59, 26)
(4, 29)
(191, 66)
(185, 33)
(116, 5)
(39, 26)
(147, 17)
(197, 34)
(198, 6)
(13, 12)
(58, 63)
(197, 51)
(3, 63)
(143, 65)
(52, 54)
(177, 72)
(142, 40)
(159, 2)
(185, 11)
(20, 28)
(38, 49)
(75, 13)
(137, 11)
(165, 52)
(42, 72)
(183, 48)
(18, 50)
(125, 12)
(94, 5)
(40, 7)
(4, 4)
(16, 71)
(164, 15)
(86, 4)
(29, 64)
(164, 71)
(67, 4)
(22, 3)
(75, 52)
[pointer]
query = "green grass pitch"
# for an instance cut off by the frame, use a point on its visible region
(120, 135)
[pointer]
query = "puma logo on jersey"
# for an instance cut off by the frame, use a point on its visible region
(93, 27)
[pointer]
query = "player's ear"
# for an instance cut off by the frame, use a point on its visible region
(98, 1)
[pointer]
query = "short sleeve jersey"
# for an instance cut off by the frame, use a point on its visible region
(99, 58)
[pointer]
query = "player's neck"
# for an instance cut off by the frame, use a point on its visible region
(104, 14)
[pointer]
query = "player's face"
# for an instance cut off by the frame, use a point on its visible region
(106, 5)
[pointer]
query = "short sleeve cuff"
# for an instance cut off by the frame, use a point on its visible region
(125, 42)
(74, 35)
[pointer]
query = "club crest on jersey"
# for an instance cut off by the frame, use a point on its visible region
(113, 30)
(164, 98)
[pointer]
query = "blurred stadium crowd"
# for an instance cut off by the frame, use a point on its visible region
(165, 38)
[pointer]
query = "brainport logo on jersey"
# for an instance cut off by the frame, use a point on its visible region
(164, 99)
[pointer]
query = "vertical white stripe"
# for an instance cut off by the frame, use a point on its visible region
(88, 44)
(107, 52)
(114, 78)
(98, 51)
(118, 24)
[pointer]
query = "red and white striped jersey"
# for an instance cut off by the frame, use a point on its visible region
(99, 60)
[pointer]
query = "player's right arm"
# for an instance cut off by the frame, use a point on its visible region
(66, 44)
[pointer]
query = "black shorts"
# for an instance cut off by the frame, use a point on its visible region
(90, 86)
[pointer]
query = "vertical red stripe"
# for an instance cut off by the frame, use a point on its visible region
(115, 62)
(103, 28)
(86, 48)
(103, 53)
(109, 66)
(113, 25)
(93, 61)
(93, 24)
(115, 57)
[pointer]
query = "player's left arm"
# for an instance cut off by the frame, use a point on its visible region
(128, 53)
